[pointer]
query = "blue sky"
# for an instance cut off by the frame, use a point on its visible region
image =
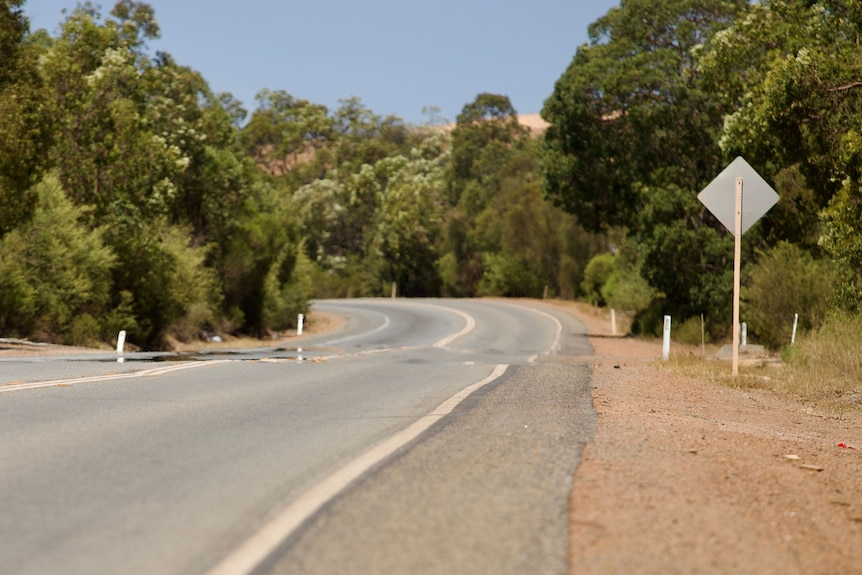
(396, 55)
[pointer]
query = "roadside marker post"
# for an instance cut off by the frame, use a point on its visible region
(737, 216)
(795, 323)
(665, 344)
(121, 344)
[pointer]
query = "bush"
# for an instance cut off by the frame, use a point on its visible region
(172, 291)
(18, 303)
(649, 322)
(826, 360)
(510, 276)
(626, 290)
(54, 270)
(786, 281)
(690, 332)
(596, 275)
(84, 331)
(287, 291)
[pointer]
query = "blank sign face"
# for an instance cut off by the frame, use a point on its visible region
(719, 196)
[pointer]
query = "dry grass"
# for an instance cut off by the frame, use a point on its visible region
(824, 365)
(828, 361)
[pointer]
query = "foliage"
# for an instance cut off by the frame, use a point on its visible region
(409, 218)
(633, 138)
(24, 131)
(261, 262)
(284, 127)
(627, 290)
(631, 103)
(54, 271)
(786, 281)
(596, 275)
(510, 276)
(691, 332)
(826, 360)
(497, 208)
(791, 71)
(485, 128)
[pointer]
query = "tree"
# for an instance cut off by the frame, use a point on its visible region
(630, 103)
(792, 70)
(24, 132)
(284, 127)
(106, 154)
(485, 128)
(633, 137)
(56, 272)
(182, 110)
(409, 218)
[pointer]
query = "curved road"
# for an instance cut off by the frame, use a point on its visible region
(422, 436)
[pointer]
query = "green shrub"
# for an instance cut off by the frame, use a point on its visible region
(287, 291)
(510, 276)
(690, 332)
(626, 290)
(54, 269)
(18, 298)
(596, 275)
(649, 322)
(786, 281)
(83, 331)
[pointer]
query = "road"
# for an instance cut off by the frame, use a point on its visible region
(355, 451)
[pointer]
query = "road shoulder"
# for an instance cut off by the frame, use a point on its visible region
(685, 476)
(484, 493)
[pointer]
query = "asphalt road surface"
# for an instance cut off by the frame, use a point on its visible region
(424, 436)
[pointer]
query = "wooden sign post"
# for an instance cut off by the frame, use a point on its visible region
(737, 216)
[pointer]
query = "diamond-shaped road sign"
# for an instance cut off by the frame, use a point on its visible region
(719, 196)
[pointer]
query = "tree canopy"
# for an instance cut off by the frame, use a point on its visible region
(180, 213)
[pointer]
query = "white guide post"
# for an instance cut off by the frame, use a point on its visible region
(121, 344)
(665, 345)
(795, 323)
(299, 321)
(737, 258)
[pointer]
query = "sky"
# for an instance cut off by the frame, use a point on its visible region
(397, 56)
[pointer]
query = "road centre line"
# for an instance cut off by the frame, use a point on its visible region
(557, 339)
(251, 554)
(470, 325)
(386, 322)
(110, 377)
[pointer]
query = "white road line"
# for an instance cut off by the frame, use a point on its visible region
(386, 322)
(110, 376)
(468, 319)
(557, 339)
(245, 559)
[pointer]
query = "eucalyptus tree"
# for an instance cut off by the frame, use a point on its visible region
(631, 103)
(484, 131)
(283, 127)
(411, 204)
(633, 137)
(792, 69)
(106, 154)
(24, 127)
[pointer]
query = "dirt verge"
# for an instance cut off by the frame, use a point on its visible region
(686, 476)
